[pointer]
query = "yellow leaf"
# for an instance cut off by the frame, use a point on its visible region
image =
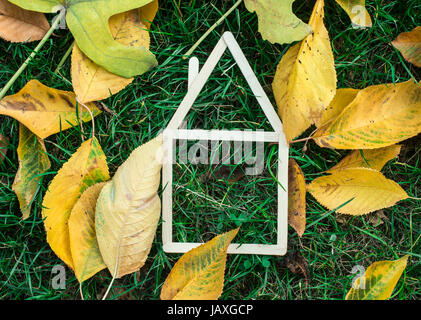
(357, 12)
(378, 281)
(20, 25)
(379, 116)
(199, 274)
(92, 82)
(86, 167)
(374, 159)
(341, 100)
(305, 79)
(33, 162)
(409, 44)
(45, 111)
(277, 22)
(87, 259)
(367, 189)
(128, 210)
(296, 197)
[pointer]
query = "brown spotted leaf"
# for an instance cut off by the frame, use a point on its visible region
(409, 44)
(296, 198)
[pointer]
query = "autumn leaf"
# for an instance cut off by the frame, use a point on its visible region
(199, 274)
(296, 198)
(92, 82)
(33, 162)
(366, 189)
(3, 147)
(45, 111)
(305, 79)
(357, 12)
(342, 99)
(87, 259)
(19, 25)
(277, 22)
(378, 281)
(128, 210)
(86, 167)
(409, 44)
(374, 159)
(86, 21)
(379, 116)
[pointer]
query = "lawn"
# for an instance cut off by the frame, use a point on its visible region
(208, 204)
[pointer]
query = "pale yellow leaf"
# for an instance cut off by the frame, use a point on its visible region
(296, 197)
(86, 167)
(20, 25)
(33, 162)
(374, 159)
(341, 100)
(128, 210)
(199, 274)
(366, 189)
(378, 281)
(305, 79)
(357, 12)
(87, 259)
(379, 116)
(92, 82)
(45, 111)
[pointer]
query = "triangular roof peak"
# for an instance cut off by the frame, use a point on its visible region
(197, 82)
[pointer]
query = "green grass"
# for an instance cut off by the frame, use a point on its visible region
(332, 244)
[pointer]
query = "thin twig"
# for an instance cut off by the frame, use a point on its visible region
(217, 23)
(33, 54)
(63, 60)
(92, 115)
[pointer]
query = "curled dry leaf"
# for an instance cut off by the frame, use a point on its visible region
(277, 22)
(87, 259)
(45, 111)
(305, 79)
(86, 167)
(3, 147)
(379, 280)
(296, 197)
(33, 162)
(87, 20)
(366, 189)
(128, 210)
(379, 116)
(297, 264)
(409, 44)
(199, 274)
(92, 82)
(357, 12)
(374, 159)
(20, 25)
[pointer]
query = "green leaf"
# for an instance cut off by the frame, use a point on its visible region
(88, 22)
(33, 162)
(277, 22)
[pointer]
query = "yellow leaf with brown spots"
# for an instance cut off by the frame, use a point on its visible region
(92, 82)
(33, 162)
(409, 44)
(374, 159)
(199, 274)
(45, 111)
(367, 190)
(378, 281)
(128, 210)
(87, 259)
(379, 116)
(305, 79)
(296, 197)
(357, 12)
(20, 25)
(86, 167)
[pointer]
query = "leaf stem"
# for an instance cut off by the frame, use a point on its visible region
(217, 23)
(33, 54)
(63, 60)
